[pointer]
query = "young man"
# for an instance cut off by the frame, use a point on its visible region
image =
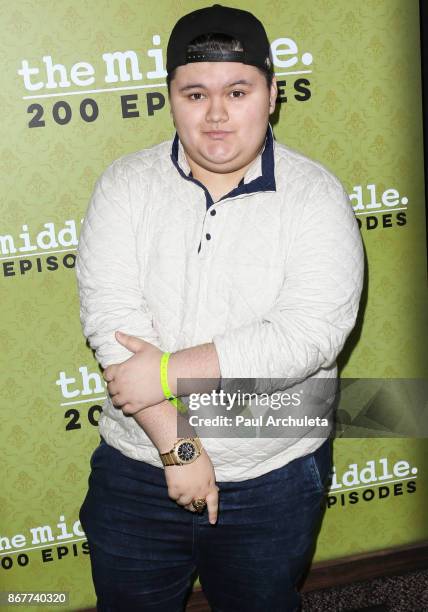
(220, 254)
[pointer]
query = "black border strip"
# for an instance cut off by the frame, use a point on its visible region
(423, 16)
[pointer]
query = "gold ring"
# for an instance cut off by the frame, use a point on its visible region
(199, 504)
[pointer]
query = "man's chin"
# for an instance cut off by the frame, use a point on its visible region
(221, 165)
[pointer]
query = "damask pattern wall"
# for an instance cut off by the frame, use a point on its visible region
(84, 83)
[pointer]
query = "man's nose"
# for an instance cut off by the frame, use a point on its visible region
(217, 111)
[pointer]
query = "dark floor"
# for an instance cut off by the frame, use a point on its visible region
(404, 593)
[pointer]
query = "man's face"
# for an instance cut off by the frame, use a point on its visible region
(221, 112)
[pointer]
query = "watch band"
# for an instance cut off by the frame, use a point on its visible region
(168, 458)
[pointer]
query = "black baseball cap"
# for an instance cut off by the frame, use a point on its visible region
(217, 19)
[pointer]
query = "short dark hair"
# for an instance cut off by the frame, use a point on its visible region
(219, 42)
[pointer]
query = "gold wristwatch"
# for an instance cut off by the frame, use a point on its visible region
(184, 451)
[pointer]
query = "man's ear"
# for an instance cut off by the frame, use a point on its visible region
(170, 111)
(273, 95)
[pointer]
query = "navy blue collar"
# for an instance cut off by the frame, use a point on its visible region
(259, 177)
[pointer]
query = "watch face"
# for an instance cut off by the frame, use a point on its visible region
(186, 451)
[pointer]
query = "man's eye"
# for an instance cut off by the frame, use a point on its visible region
(236, 93)
(195, 96)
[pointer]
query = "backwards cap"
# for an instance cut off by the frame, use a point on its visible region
(217, 19)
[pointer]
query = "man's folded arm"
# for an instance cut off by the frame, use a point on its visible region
(317, 306)
(111, 298)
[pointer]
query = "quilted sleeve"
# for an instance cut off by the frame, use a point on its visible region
(317, 305)
(107, 271)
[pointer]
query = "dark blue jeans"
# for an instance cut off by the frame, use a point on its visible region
(146, 550)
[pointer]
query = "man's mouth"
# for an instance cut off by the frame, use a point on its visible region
(217, 134)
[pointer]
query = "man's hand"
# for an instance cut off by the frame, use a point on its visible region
(135, 383)
(193, 481)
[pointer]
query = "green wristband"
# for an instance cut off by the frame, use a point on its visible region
(165, 387)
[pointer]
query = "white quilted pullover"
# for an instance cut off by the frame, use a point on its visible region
(271, 273)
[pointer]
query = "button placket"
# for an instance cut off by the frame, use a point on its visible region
(207, 228)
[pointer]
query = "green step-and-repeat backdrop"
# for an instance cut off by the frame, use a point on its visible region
(84, 83)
